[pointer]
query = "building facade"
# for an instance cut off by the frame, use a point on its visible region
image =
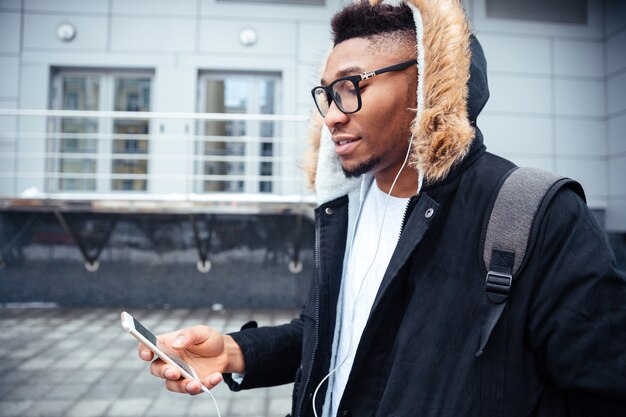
(201, 106)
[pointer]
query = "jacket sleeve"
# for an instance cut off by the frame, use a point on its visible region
(271, 354)
(577, 319)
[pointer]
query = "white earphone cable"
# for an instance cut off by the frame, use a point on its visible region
(380, 231)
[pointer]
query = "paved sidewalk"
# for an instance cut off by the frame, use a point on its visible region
(61, 362)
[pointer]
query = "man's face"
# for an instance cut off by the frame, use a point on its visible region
(374, 139)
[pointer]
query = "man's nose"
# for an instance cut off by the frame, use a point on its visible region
(334, 116)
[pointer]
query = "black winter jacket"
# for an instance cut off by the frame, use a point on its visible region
(566, 333)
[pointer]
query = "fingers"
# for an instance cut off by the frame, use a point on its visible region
(174, 383)
(162, 370)
(190, 386)
(145, 353)
(184, 386)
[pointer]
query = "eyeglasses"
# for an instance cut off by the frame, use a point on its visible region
(345, 91)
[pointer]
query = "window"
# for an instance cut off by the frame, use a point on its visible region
(233, 156)
(554, 11)
(99, 154)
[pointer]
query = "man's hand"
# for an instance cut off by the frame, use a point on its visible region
(208, 352)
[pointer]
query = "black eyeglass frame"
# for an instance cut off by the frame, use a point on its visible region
(355, 79)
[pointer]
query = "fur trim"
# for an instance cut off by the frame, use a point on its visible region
(442, 131)
(315, 133)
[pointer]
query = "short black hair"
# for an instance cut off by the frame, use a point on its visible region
(362, 20)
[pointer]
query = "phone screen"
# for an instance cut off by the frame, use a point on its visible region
(165, 349)
(145, 332)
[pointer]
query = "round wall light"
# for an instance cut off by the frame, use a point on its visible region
(248, 36)
(66, 32)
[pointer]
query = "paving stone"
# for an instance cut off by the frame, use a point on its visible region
(48, 408)
(16, 377)
(14, 408)
(85, 365)
(279, 407)
(204, 407)
(98, 363)
(104, 391)
(175, 405)
(89, 408)
(26, 391)
(66, 391)
(116, 376)
(36, 364)
(5, 391)
(141, 391)
(249, 407)
(130, 407)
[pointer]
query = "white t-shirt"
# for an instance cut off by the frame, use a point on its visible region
(369, 257)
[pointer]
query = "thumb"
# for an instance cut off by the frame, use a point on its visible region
(190, 336)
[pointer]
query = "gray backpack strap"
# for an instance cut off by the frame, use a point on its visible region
(509, 234)
(518, 207)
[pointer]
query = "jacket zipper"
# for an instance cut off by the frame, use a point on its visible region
(317, 318)
(406, 210)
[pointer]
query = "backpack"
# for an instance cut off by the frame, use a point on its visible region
(509, 232)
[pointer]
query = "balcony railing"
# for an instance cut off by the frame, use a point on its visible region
(151, 160)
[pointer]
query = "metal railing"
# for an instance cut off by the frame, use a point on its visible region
(169, 159)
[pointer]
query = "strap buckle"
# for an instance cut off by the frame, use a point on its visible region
(498, 286)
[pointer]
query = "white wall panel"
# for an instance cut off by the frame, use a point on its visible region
(517, 135)
(9, 32)
(617, 135)
(516, 54)
(174, 90)
(34, 91)
(8, 125)
(519, 94)
(213, 8)
(155, 7)
(222, 37)
(34, 88)
(529, 161)
(615, 217)
(73, 6)
(150, 34)
(580, 98)
(581, 137)
(235, 62)
(617, 173)
(616, 52)
(98, 59)
(308, 77)
(579, 58)
(40, 32)
(617, 93)
(9, 71)
(592, 174)
(314, 42)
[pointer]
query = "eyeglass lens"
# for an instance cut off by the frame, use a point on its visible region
(344, 94)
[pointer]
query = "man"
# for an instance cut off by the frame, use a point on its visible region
(392, 324)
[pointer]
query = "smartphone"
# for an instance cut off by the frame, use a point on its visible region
(164, 352)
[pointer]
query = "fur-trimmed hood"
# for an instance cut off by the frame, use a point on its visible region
(452, 90)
